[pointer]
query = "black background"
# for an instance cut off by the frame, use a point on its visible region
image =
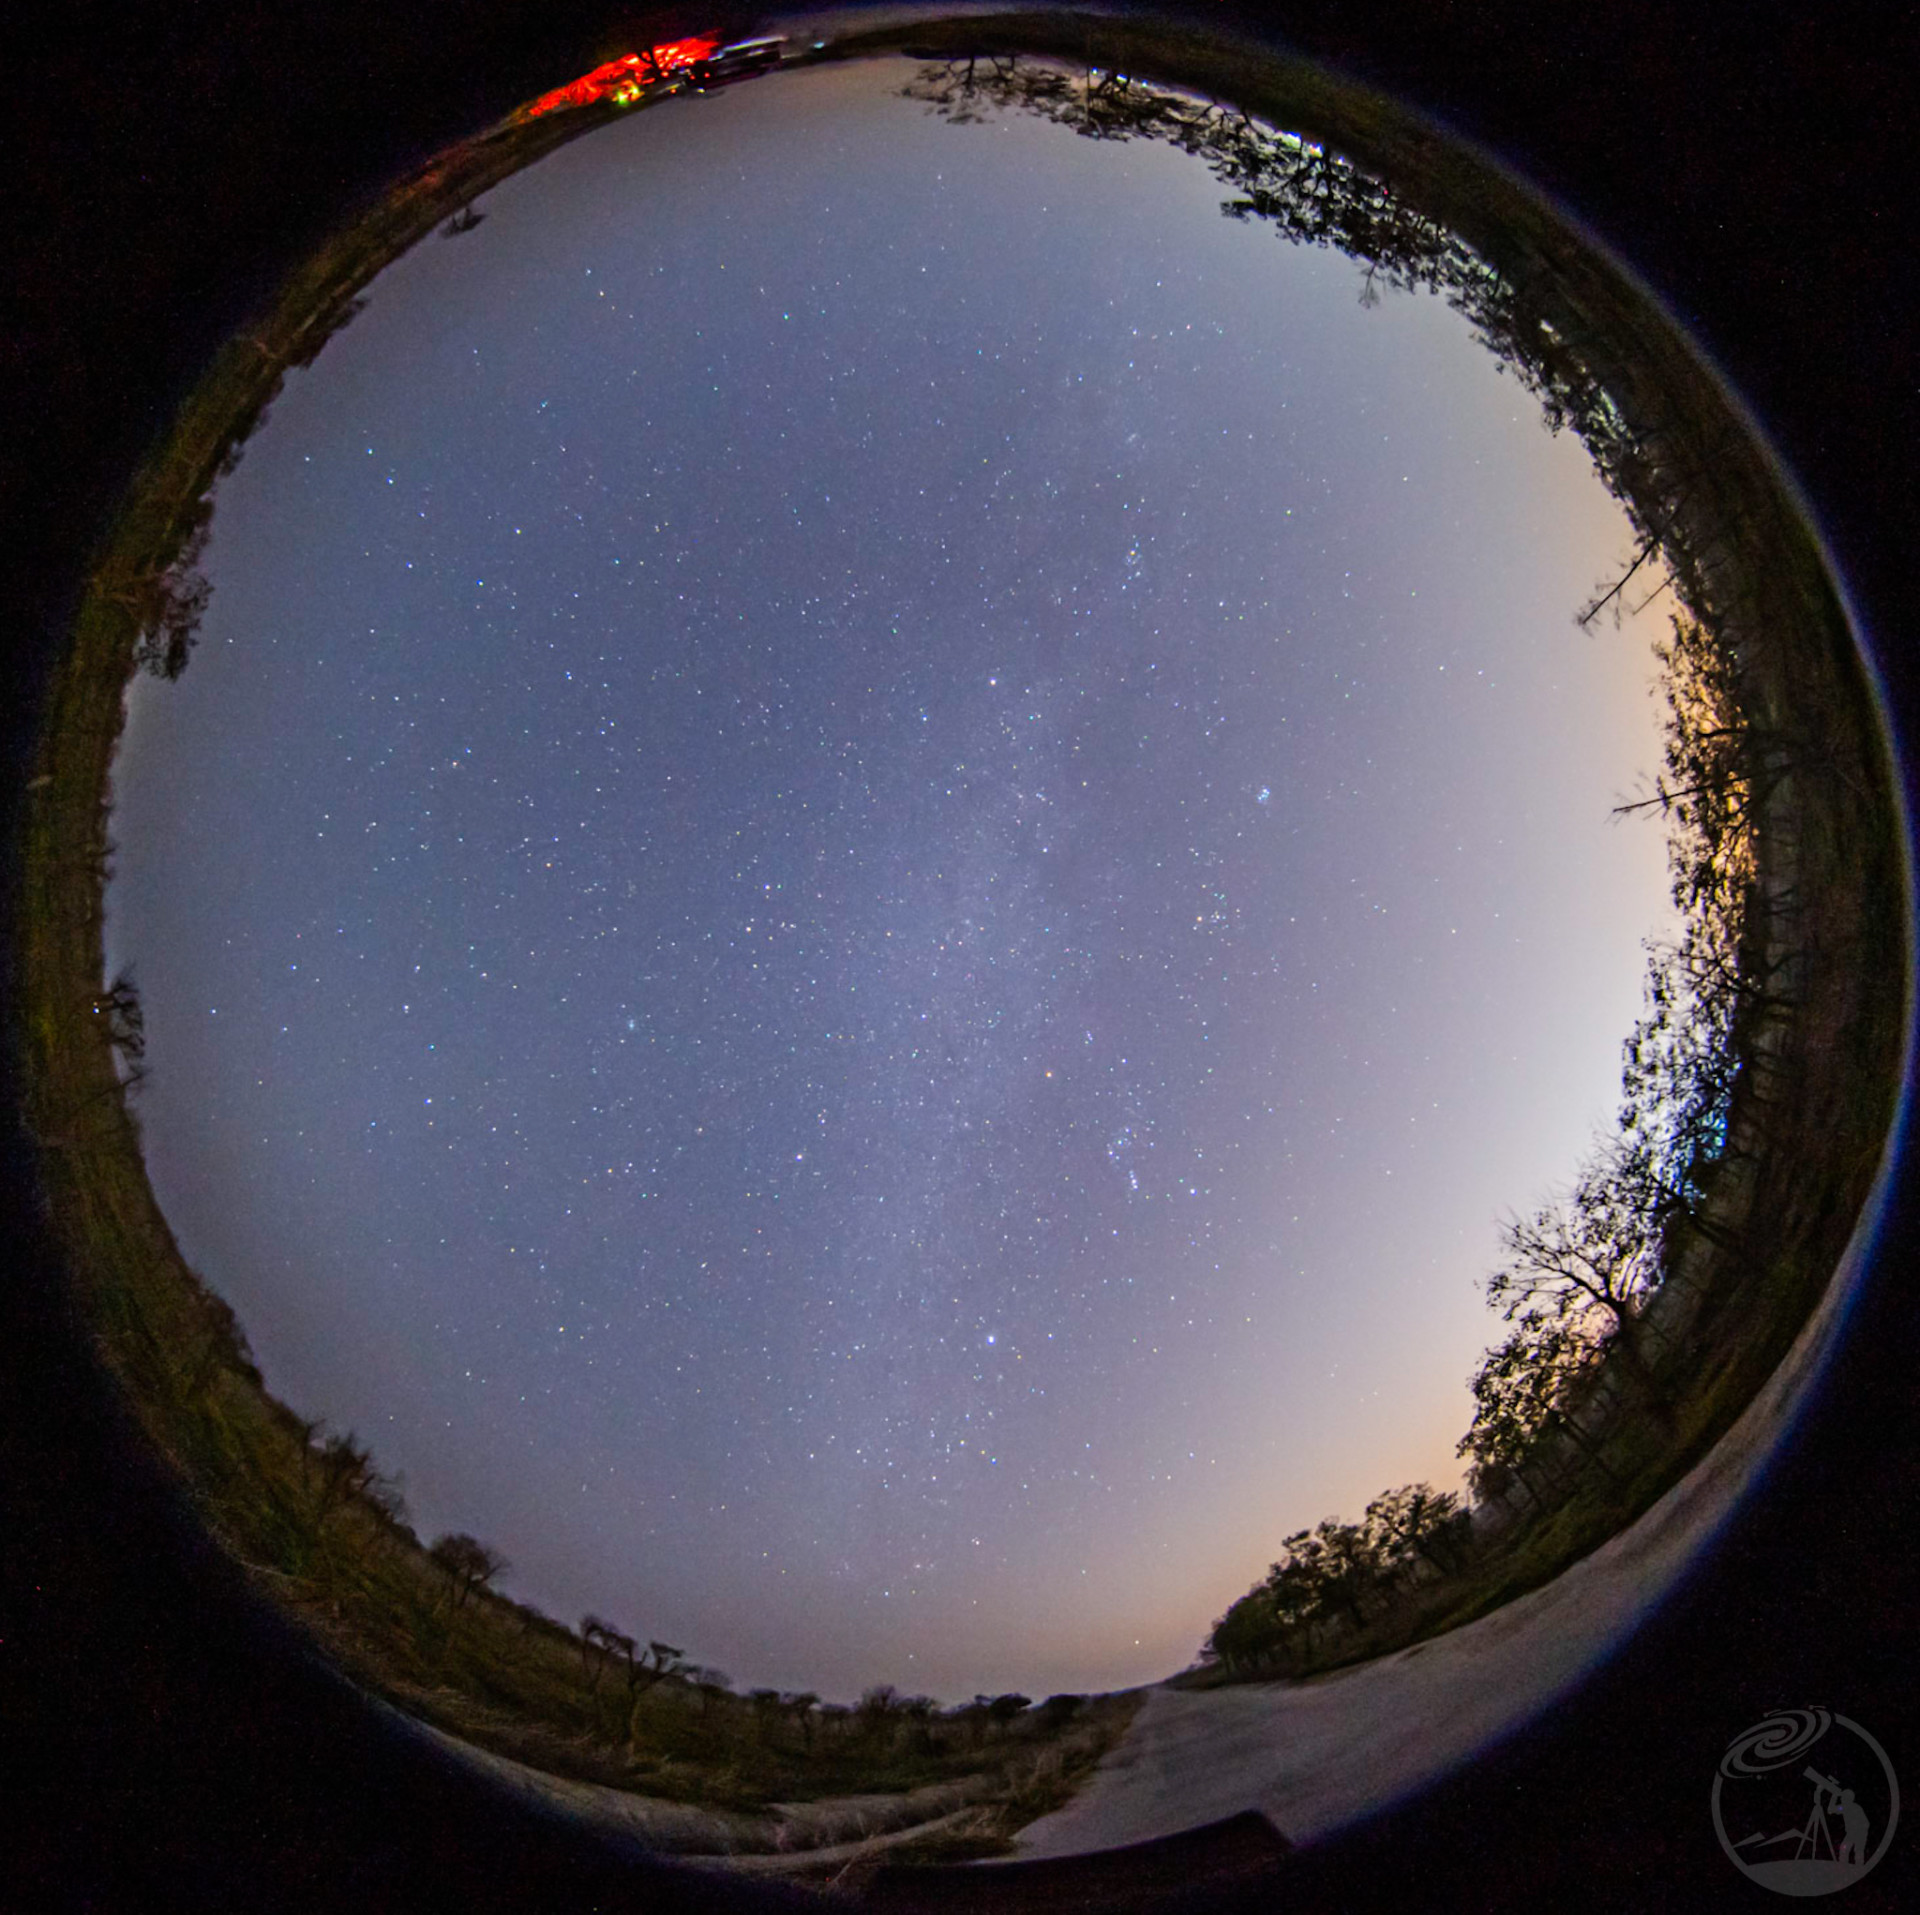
(168, 1745)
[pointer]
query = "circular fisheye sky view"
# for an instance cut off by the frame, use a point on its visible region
(883, 854)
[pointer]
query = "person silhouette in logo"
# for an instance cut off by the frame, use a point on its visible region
(1854, 1819)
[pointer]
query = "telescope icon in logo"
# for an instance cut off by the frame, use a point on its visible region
(1815, 1835)
(1855, 1798)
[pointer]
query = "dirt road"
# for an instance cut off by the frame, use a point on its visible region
(1313, 1755)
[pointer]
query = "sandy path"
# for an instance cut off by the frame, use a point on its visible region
(1315, 1754)
(1309, 1756)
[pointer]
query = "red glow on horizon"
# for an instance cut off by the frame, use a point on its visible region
(631, 74)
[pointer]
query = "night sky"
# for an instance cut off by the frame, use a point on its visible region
(884, 852)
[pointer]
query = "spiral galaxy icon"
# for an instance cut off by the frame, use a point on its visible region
(1774, 1743)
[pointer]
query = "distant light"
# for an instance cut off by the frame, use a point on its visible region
(624, 79)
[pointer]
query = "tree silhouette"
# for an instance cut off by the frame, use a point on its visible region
(1003, 1709)
(596, 1650)
(662, 1659)
(1351, 1572)
(125, 1018)
(222, 1345)
(319, 328)
(1296, 1586)
(616, 1642)
(1527, 1387)
(645, 1670)
(707, 1685)
(1249, 1633)
(1333, 1574)
(801, 1705)
(1708, 989)
(875, 1714)
(1613, 597)
(1580, 1272)
(1323, 1572)
(167, 601)
(1310, 195)
(339, 1474)
(769, 1706)
(1414, 1524)
(467, 1563)
(1587, 1263)
(913, 1722)
(344, 1471)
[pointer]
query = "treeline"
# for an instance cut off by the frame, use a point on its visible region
(310, 1509)
(1584, 1352)
(324, 1533)
(1338, 1575)
(1580, 1273)
(350, 1510)
(1587, 1357)
(1584, 1348)
(1311, 195)
(628, 1706)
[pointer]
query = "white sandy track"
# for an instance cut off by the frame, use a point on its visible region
(1310, 1756)
(1313, 1755)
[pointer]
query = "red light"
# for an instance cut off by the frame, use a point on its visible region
(643, 69)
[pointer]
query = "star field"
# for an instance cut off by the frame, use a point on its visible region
(883, 852)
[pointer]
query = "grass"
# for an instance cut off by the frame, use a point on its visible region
(514, 1682)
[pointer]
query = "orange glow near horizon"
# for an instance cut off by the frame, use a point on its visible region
(625, 78)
